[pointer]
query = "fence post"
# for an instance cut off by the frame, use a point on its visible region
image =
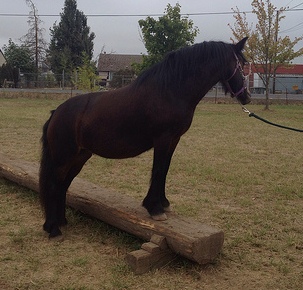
(63, 80)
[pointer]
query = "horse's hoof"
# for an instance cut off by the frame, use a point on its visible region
(55, 232)
(46, 227)
(159, 217)
(56, 239)
(168, 209)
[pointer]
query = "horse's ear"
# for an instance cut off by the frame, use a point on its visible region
(240, 44)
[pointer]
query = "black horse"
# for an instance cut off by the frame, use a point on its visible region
(152, 112)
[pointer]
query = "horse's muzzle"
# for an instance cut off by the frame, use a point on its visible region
(244, 98)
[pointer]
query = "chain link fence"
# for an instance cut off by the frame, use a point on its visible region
(283, 84)
(44, 80)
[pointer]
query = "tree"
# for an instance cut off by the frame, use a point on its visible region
(265, 49)
(19, 56)
(69, 39)
(168, 33)
(34, 38)
(19, 59)
(86, 75)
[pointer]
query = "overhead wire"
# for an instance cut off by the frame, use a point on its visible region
(296, 27)
(124, 15)
(143, 15)
(295, 6)
(293, 9)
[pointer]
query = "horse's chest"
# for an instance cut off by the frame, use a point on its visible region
(176, 121)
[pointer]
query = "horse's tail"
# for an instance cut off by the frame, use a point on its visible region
(46, 166)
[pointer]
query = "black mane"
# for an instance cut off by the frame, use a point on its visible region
(186, 62)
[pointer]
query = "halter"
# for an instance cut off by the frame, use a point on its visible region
(240, 69)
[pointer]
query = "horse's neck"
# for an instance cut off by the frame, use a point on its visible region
(203, 85)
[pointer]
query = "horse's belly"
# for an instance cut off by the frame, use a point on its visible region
(118, 146)
(120, 154)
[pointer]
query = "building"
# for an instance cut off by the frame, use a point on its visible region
(2, 58)
(289, 79)
(109, 64)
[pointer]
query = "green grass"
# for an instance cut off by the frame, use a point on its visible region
(229, 170)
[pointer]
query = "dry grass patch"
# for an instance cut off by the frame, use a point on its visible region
(229, 170)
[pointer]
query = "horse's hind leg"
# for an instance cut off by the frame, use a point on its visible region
(54, 197)
(75, 168)
(55, 202)
(50, 201)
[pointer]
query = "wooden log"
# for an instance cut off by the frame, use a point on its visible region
(19, 171)
(191, 239)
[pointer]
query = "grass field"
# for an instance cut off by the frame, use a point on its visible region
(229, 170)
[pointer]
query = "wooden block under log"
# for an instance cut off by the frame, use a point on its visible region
(196, 241)
(150, 256)
(151, 248)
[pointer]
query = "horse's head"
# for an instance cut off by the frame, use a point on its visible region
(236, 82)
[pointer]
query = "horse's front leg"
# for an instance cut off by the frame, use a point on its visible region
(155, 201)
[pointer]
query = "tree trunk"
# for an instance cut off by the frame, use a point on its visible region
(267, 79)
(266, 98)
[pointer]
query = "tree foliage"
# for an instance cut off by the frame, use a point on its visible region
(265, 49)
(86, 75)
(18, 60)
(19, 56)
(69, 39)
(170, 32)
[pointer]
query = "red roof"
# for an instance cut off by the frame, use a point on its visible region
(293, 69)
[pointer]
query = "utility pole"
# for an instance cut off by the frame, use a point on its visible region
(36, 39)
(276, 41)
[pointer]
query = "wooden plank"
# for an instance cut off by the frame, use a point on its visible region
(196, 241)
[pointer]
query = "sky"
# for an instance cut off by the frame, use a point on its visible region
(121, 34)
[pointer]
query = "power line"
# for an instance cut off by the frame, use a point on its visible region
(145, 15)
(299, 26)
(294, 10)
(297, 5)
(289, 3)
(122, 15)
